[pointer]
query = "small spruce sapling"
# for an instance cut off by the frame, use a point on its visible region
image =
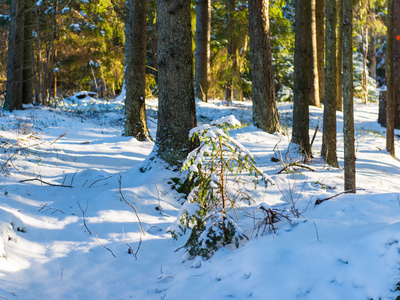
(217, 169)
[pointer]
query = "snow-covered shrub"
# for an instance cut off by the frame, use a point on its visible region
(218, 169)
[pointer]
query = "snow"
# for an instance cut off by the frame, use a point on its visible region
(347, 247)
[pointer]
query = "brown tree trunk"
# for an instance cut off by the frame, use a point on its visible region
(348, 113)
(397, 63)
(390, 110)
(27, 75)
(135, 70)
(320, 15)
(328, 151)
(372, 47)
(202, 60)
(265, 113)
(177, 109)
(364, 78)
(302, 70)
(314, 95)
(340, 56)
(16, 55)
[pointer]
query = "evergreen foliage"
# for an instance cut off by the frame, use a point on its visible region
(217, 169)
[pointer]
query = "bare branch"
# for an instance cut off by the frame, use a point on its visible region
(105, 246)
(38, 178)
(83, 216)
(98, 181)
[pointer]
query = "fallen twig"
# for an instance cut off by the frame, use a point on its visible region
(319, 201)
(38, 178)
(130, 251)
(99, 180)
(105, 246)
(296, 164)
(83, 214)
(134, 208)
(58, 138)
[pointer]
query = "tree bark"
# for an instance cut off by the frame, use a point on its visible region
(397, 63)
(176, 110)
(13, 98)
(135, 70)
(27, 75)
(339, 105)
(302, 70)
(320, 15)
(364, 78)
(328, 151)
(314, 95)
(390, 79)
(372, 47)
(202, 60)
(348, 113)
(265, 113)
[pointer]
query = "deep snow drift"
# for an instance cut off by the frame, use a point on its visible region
(65, 230)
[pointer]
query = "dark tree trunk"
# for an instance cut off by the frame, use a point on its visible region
(328, 151)
(202, 60)
(177, 109)
(340, 56)
(372, 47)
(348, 113)
(320, 15)
(27, 75)
(390, 111)
(314, 95)
(135, 69)
(15, 57)
(265, 113)
(302, 69)
(233, 88)
(397, 63)
(364, 77)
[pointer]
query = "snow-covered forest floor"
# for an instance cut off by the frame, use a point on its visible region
(66, 231)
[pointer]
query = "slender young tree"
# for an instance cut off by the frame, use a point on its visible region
(202, 56)
(302, 69)
(390, 79)
(320, 15)
(339, 105)
(348, 111)
(397, 63)
(314, 95)
(135, 69)
(265, 113)
(177, 109)
(328, 151)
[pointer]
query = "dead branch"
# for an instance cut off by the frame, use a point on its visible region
(50, 208)
(98, 181)
(58, 138)
(39, 178)
(134, 208)
(319, 201)
(84, 217)
(130, 251)
(105, 246)
(295, 164)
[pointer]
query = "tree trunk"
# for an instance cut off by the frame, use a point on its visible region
(340, 56)
(390, 79)
(177, 109)
(265, 113)
(27, 75)
(15, 59)
(320, 15)
(364, 78)
(233, 88)
(328, 151)
(397, 63)
(202, 61)
(348, 114)
(302, 70)
(372, 47)
(135, 70)
(314, 95)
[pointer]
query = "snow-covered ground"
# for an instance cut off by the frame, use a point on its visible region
(66, 231)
